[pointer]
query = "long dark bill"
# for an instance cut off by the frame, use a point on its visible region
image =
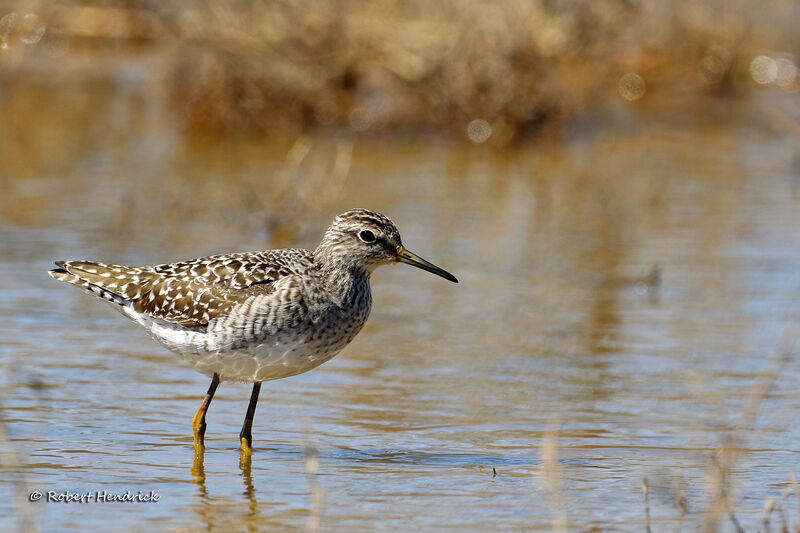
(404, 256)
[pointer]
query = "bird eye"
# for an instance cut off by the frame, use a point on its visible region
(366, 236)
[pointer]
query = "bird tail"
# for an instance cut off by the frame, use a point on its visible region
(94, 278)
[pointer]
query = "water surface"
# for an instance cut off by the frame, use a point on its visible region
(622, 289)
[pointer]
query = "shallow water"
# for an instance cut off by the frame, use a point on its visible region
(622, 288)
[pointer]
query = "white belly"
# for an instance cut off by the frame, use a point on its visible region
(274, 359)
(277, 356)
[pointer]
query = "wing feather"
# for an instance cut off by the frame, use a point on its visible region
(189, 293)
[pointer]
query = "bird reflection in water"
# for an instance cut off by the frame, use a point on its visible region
(205, 508)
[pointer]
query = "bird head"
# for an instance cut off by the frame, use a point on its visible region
(368, 239)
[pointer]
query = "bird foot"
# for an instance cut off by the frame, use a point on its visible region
(247, 445)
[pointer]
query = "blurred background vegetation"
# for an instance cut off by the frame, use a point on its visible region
(615, 182)
(493, 71)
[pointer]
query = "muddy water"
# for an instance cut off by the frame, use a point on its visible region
(626, 293)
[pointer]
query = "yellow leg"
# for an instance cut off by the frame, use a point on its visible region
(199, 420)
(247, 446)
(246, 435)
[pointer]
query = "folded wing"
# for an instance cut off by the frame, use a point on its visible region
(189, 293)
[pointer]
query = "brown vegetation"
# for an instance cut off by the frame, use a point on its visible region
(389, 64)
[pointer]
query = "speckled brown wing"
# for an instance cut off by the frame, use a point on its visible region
(189, 293)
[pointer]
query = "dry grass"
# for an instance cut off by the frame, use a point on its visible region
(721, 465)
(726, 458)
(550, 476)
(290, 65)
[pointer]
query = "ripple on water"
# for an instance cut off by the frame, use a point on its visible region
(440, 415)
